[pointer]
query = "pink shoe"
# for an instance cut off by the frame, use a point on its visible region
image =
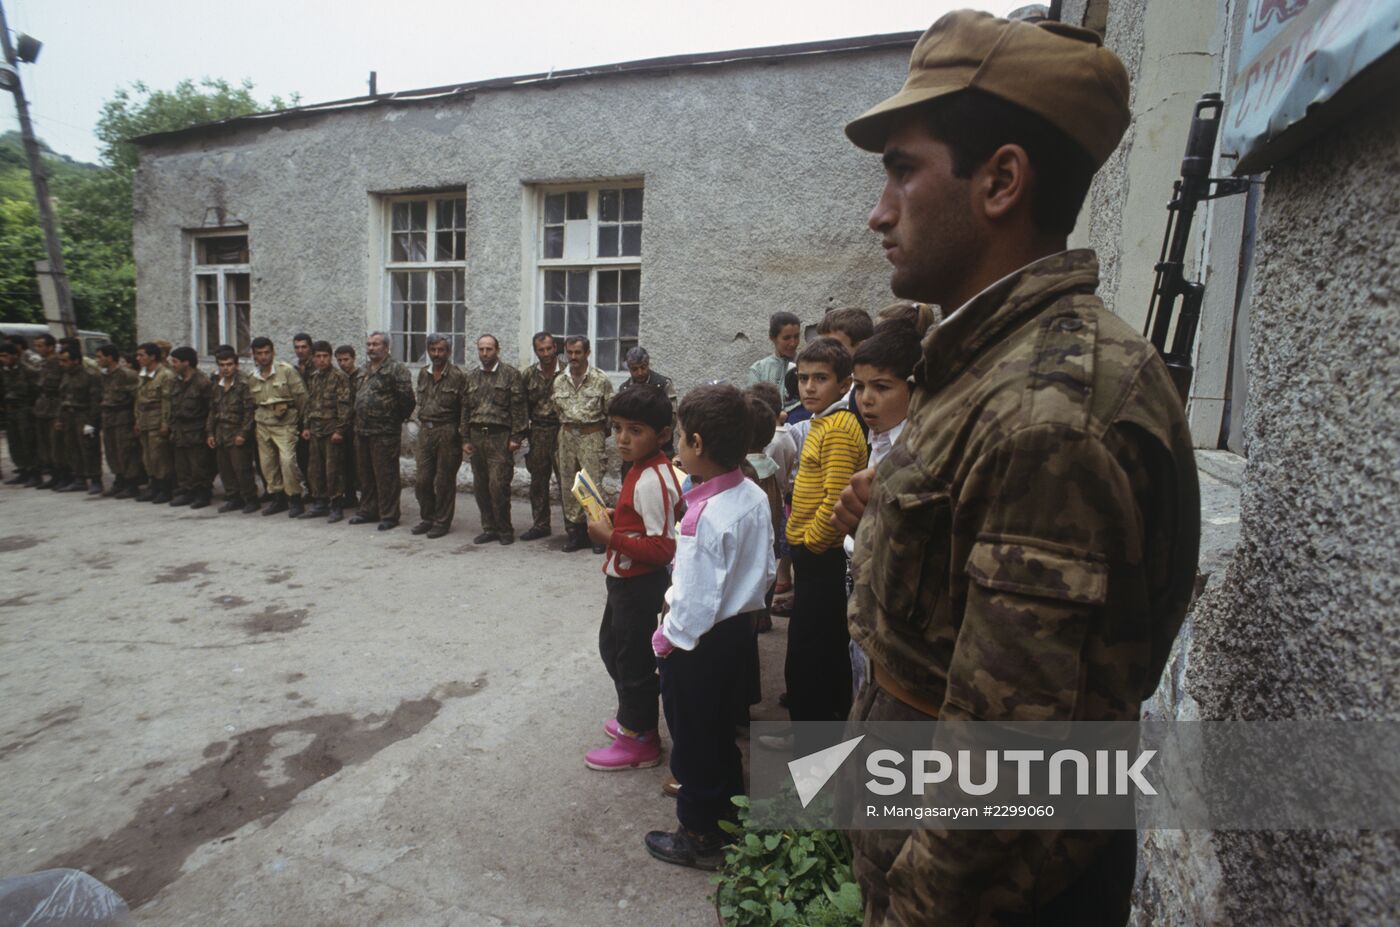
(612, 728)
(626, 753)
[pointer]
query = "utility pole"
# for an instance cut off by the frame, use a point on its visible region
(9, 80)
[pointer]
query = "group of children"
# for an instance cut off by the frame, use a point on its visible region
(705, 540)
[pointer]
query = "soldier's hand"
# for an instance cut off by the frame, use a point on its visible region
(164, 430)
(210, 441)
(89, 431)
(240, 441)
(468, 449)
(512, 445)
(306, 434)
(851, 506)
(336, 438)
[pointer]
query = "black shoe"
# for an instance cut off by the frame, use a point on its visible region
(34, 481)
(95, 488)
(687, 848)
(423, 527)
(317, 510)
(147, 494)
(181, 498)
(578, 539)
(276, 506)
(600, 548)
(507, 540)
(19, 479)
(486, 537)
(534, 534)
(295, 509)
(162, 496)
(231, 505)
(337, 514)
(437, 531)
(68, 485)
(250, 508)
(48, 482)
(358, 519)
(201, 501)
(388, 524)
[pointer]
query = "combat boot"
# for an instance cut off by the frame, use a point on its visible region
(295, 508)
(578, 538)
(181, 498)
(230, 505)
(95, 488)
(337, 514)
(130, 491)
(201, 499)
(73, 485)
(534, 534)
(250, 507)
(35, 478)
(19, 479)
(162, 496)
(277, 504)
(319, 509)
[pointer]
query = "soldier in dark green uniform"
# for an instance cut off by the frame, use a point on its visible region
(497, 424)
(383, 403)
(79, 403)
(542, 455)
(442, 400)
(19, 387)
(118, 423)
(46, 437)
(345, 360)
(189, 419)
(302, 348)
(1028, 548)
(328, 399)
(230, 427)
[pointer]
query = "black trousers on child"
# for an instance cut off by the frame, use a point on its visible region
(818, 666)
(700, 689)
(624, 641)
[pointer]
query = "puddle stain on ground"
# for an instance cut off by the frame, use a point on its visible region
(47, 721)
(275, 621)
(18, 600)
(231, 790)
(18, 542)
(229, 601)
(295, 677)
(181, 573)
(279, 577)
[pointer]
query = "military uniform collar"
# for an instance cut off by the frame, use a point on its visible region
(952, 345)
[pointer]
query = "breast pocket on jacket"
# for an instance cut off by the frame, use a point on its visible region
(909, 544)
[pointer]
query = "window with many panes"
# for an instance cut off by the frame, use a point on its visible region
(222, 304)
(590, 249)
(425, 274)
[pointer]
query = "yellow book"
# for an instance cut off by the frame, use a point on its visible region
(589, 496)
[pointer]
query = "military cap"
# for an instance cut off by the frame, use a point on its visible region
(1060, 72)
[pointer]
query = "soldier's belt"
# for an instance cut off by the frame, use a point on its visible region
(488, 427)
(546, 425)
(449, 423)
(590, 428)
(885, 681)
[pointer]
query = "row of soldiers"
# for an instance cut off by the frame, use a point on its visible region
(166, 427)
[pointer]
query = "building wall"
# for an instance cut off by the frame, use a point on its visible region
(754, 202)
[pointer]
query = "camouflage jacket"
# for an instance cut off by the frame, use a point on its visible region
(443, 401)
(356, 377)
(189, 409)
(585, 403)
(1027, 554)
(497, 398)
(50, 375)
(153, 398)
(80, 391)
(384, 400)
(329, 399)
(231, 411)
(119, 397)
(20, 385)
(280, 397)
(539, 395)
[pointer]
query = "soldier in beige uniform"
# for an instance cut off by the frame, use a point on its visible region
(1028, 547)
(280, 396)
(497, 423)
(542, 455)
(153, 423)
(442, 403)
(581, 395)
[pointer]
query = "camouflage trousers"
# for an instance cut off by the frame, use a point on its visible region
(542, 460)
(578, 452)
(155, 455)
(236, 472)
(325, 468)
(194, 468)
(378, 468)
(19, 432)
(493, 468)
(277, 452)
(82, 452)
(120, 444)
(44, 440)
(438, 457)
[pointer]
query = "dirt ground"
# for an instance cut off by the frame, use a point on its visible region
(249, 720)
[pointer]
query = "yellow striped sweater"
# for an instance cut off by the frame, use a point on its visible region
(834, 449)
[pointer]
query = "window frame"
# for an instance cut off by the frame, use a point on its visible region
(388, 267)
(221, 273)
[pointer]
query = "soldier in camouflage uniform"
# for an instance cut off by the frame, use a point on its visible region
(345, 360)
(497, 424)
(79, 403)
(328, 403)
(153, 423)
(542, 456)
(581, 394)
(303, 350)
(190, 394)
(230, 428)
(118, 423)
(46, 437)
(19, 387)
(1028, 548)
(442, 403)
(383, 402)
(280, 396)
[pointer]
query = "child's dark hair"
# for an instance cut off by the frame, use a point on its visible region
(765, 423)
(827, 351)
(895, 347)
(779, 321)
(770, 395)
(642, 404)
(854, 323)
(719, 414)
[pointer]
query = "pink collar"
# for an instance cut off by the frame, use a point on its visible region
(698, 496)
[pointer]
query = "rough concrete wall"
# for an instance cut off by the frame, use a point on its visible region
(755, 201)
(1303, 625)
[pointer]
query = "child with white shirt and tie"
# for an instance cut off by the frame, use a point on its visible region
(723, 567)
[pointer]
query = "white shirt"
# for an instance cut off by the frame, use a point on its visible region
(882, 442)
(724, 558)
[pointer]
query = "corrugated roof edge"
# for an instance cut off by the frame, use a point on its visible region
(704, 59)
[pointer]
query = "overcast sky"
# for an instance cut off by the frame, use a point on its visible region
(325, 49)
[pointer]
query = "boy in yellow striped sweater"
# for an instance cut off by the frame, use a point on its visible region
(818, 654)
